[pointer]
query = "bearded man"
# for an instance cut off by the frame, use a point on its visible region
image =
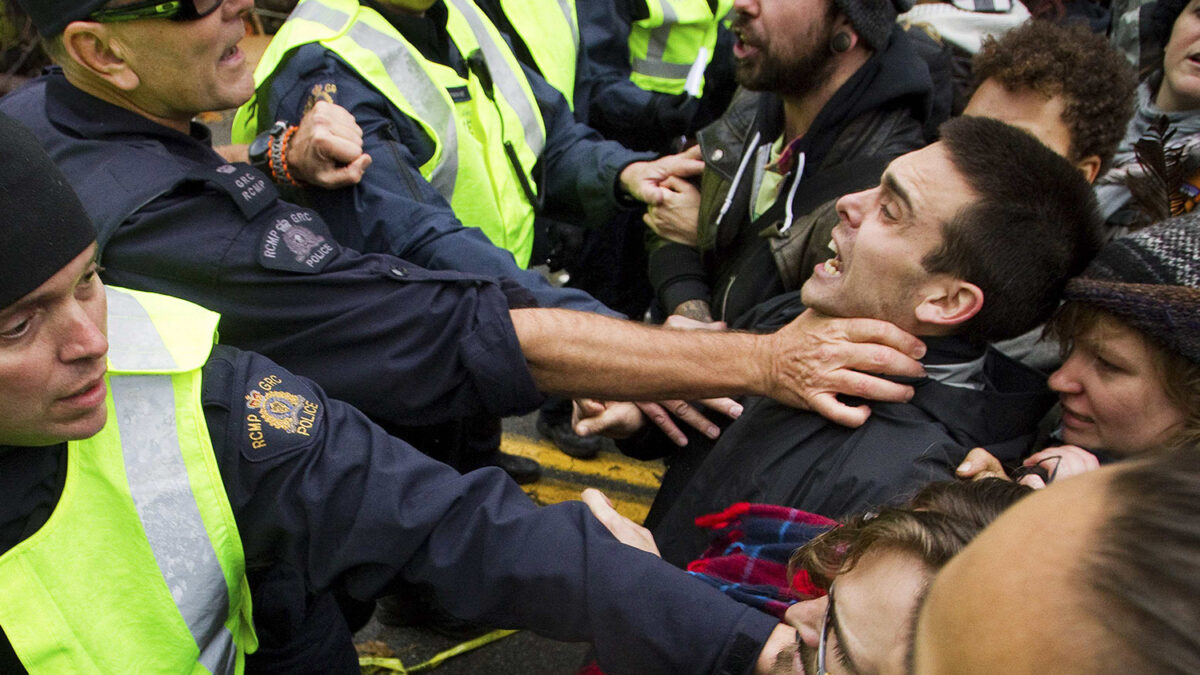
(830, 92)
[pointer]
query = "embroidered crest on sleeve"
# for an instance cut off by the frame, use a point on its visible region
(320, 92)
(278, 419)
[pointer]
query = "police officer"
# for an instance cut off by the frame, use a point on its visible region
(404, 344)
(142, 486)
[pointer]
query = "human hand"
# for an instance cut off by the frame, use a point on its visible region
(642, 180)
(676, 216)
(684, 322)
(1060, 462)
(625, 530)
(695, 310)
(979, 464)
(814, 358)
(616, 419)
(327, 148)
(612, 419)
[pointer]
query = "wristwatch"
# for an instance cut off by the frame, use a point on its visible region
(262, 145)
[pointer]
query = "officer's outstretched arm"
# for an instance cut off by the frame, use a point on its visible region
(804, 364)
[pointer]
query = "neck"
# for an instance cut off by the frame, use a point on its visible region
(800, 110)
(120, 98)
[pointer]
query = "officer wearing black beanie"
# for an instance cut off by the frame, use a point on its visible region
(208, 465)
(39, 207)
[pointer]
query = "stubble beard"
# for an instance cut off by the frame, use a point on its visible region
(795, 79)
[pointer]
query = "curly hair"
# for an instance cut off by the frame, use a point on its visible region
(1097, 82)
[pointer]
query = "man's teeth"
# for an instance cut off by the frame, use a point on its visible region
(833, 266)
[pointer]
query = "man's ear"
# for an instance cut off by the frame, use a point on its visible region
(1090, 166)
(95, 50)
(949, 302)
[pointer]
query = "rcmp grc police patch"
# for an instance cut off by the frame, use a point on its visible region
(296, 241)
(280, 416)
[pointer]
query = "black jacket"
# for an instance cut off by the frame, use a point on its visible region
(774, 454)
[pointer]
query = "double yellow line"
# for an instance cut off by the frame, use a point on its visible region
(630, 484)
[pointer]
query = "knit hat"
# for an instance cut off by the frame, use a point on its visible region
(873, 19)
(1151, 281)
(52, 16)
(44, 226)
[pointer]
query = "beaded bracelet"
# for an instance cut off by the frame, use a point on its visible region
(287, 174)
(277, 157)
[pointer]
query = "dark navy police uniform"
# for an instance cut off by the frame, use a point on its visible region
(406, 345)
(352, 509)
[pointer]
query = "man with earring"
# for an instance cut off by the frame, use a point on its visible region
(830, 92)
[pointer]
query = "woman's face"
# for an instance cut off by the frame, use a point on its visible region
(1112, 392)
(1180, 88)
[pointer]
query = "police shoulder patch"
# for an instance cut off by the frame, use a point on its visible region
(296, 240)
(323, 91)
(281, 414)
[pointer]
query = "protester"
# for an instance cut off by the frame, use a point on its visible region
(1096, 575)
(1017, 221)
(831, 92)
(1170, 90)
(785, 562)
(1130, 327)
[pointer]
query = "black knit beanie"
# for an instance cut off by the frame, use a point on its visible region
(44, 226)
(873, 19)
(1150, 280)
(52, 16)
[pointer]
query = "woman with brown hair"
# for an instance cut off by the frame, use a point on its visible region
(1130, 329)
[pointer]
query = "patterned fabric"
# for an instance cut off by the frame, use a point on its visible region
(1150, 280)
(748, 557)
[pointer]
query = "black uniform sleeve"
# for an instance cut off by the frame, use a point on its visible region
(316, 485)
(406, 345)
(580, 167)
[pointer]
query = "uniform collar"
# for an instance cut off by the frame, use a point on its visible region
(95, 118)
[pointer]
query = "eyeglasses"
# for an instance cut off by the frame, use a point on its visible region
(175, 10)
(823, 644)
(1047, 475)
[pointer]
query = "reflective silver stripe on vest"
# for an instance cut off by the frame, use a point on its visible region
(508, 81)
(565, 6)
(409, 78)
(140, 346)
(158, 482)
(653, 65)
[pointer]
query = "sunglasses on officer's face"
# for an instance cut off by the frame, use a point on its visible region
(175, 10)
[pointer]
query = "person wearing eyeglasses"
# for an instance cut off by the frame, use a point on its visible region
(406, 345)
(874, 569)
(851, 589)
(1098, 575)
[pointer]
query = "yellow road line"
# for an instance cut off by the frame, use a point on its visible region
(605, 466)
(629, 483)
